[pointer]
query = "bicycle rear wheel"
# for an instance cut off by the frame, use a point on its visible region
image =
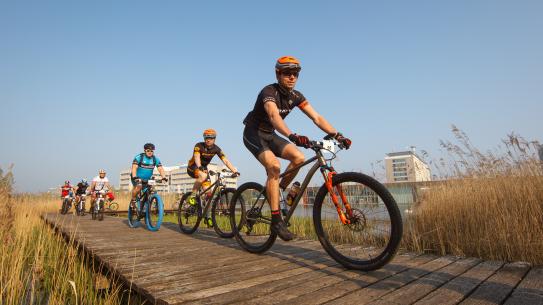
(220, 213)
(250, 218)
(155, 212)
(113, 206)
(374, 234)
(189, 216)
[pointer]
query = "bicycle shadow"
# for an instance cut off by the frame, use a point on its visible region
(292, 252)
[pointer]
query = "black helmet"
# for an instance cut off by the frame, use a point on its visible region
(150, 146)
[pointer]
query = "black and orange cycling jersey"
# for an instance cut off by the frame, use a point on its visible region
(206, 153)
(284, 99)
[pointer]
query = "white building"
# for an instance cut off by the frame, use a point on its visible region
(178, 179)
(406, 166)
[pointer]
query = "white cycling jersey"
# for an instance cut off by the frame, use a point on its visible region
(100, 183)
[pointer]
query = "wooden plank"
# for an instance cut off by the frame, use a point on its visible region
(530, 289)
(303, 293)
(217, 290)
(218, 264)
(363, 279)
(499, 286)
(245, 273)
(300, 275)
(416, 290)
(381, 288)
(456, 290)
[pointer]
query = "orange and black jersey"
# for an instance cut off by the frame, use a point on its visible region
(206, 153)
(285, 100)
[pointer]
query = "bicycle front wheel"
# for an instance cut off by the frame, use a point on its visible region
(101, 211)
(220, 213)
(64, 209)
(154, 213)
(250, 218)
(189, 215)
(373, 236)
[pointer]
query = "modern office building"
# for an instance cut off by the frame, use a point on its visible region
(178, 179)
(406, 166)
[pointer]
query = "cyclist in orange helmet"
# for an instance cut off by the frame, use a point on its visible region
(202, 154)
(273, 104)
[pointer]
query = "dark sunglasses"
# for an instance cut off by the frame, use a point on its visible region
(209, 138)
(149, 150)
(290, 73)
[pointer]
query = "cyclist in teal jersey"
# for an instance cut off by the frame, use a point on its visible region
(142, 169)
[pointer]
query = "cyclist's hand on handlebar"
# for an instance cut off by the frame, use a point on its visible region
(343, 140)
(299, 140)
(340, 138)
(236, 174)
(164, 179)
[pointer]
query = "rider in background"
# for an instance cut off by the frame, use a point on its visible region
(142, 169)
(66, 189)
(273, 104)
(99, 183)
(80, 190)
(201, 157)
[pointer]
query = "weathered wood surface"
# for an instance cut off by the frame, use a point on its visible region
(169, 267)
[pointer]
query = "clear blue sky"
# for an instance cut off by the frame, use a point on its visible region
(83, 85)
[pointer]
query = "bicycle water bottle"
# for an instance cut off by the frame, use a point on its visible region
(293, 193)
(283, 204)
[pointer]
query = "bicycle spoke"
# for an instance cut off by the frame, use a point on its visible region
(373, 233)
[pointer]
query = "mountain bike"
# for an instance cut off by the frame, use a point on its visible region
(355, 218)
(217, 197)
(67, 203)
(148, 205)
(97, 210)
(80, 205)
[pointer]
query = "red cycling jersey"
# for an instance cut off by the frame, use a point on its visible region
(65, 190)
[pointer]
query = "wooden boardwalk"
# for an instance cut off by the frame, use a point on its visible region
(169, 267)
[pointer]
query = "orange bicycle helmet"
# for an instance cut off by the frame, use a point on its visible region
(210, 133)
(287, 62)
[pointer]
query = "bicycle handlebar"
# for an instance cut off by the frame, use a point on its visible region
(315, 145)
(213, 173)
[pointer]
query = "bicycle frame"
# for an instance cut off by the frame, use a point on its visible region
(99, 200)
(215, 185)
(144, 193)
(328, 173)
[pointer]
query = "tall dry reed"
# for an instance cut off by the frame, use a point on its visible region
(487, 205)
(37, 266)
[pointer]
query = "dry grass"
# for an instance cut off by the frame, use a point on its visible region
(37, 265)
(490, 205)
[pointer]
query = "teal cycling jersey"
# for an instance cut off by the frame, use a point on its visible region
(146, 165)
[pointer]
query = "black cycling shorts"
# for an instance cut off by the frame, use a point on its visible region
(193, 170)
(258, 141)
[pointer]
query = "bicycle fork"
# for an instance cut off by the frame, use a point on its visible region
(345, 219)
